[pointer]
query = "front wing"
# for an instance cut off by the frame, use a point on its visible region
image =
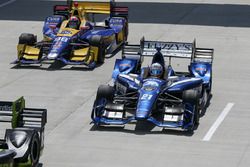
(102, 116)
(39, 53)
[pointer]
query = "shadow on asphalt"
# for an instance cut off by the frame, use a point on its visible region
(228, 15)
(55, 66)
(142, 128)
(40, 165)
(203, 112)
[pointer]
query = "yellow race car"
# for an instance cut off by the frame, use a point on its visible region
(80, 33)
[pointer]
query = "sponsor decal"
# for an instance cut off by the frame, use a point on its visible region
(53, 19)
(66, 32)
(116, 21)
(125, 65)
(169, 46)
(200, 69)
(5, 108)
(151, 83)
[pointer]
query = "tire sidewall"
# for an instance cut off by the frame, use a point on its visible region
(35, 150)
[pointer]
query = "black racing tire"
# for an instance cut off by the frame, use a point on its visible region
(126, 31)
(34, 150)
(101, 55)
(26, 38)
(105, 91)
(196, 114)
(210, 86)
(196, 120)
(190, 129)
(191, 96)
(95, 40)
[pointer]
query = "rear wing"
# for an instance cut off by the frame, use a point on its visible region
(97, 7)
(118, 11)
(19, 116)
(92, 6)
(169, 49)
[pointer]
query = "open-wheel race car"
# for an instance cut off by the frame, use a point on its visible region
(157, 94)
(24, 142)
(79, 33)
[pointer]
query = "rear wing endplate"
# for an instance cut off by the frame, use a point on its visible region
(19, 116)
(62, 10)
(204, 55)
(130, 51)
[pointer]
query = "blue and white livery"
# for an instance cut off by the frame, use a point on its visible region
(173, 100)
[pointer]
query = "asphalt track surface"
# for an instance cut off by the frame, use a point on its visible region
(68, 93)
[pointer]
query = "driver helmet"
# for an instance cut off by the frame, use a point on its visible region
(74, 22)
(156, 70)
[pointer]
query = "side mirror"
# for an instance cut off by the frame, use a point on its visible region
(173, 78)
(53, 27)
(85, 28)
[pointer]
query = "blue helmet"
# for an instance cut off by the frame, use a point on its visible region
(156, 70)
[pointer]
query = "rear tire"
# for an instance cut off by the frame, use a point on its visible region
(196, 115)
(97, 40)
(126, 32)
(29, 39)
(101, 55)
(35, 150)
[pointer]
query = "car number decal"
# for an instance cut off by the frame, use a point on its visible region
(146, 97)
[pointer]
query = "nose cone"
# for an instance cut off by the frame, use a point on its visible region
(52, 56)
(141, 114)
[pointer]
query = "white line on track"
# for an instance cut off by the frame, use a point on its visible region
(7, 3)
(217, 123)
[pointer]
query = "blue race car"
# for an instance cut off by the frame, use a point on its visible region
(80, 33)
(157, 93)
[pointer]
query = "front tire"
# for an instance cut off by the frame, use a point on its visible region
(105, 91)
(191, 96)
(105, 94)
(26, 38)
